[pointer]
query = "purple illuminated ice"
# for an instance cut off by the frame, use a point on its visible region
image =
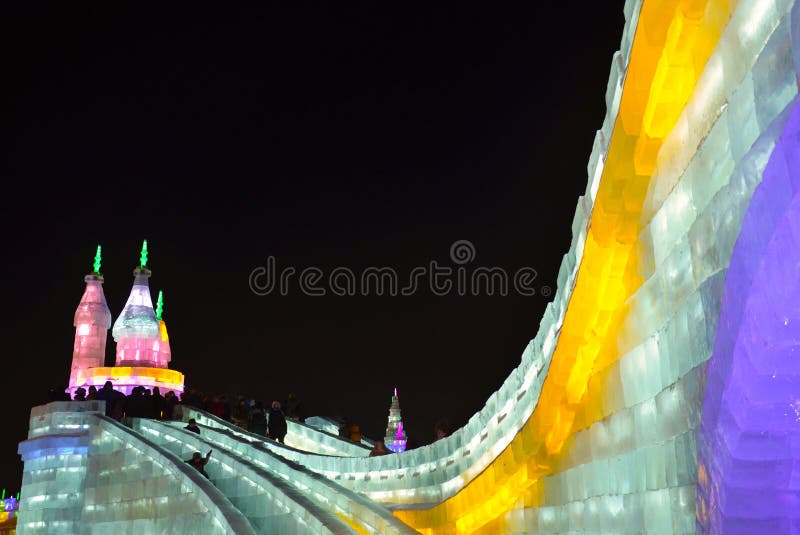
(749, 443)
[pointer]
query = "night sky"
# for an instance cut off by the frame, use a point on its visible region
(322, 136)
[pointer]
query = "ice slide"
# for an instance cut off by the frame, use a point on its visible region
(240, 465)
(86, 473)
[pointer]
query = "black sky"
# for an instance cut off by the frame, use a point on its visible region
(325, 136)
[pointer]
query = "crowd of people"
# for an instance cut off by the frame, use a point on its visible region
(249, 414)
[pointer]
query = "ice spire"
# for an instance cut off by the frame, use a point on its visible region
(137, 330)
(395, 438)
(159, 305)
(164, 351)
(97, 260)
(92, 320)
(143, 255)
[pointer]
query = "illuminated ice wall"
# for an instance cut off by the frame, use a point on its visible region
(611, 445)
(749, 447)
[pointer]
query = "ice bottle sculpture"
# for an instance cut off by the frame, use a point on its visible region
(137, 331)
(92, 321)
(395, 438)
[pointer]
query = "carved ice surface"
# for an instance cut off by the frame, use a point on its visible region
(749, 455)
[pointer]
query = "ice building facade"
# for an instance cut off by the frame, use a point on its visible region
(661, 393)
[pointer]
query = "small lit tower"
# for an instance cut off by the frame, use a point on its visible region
(395, 438)
(137, 330)
(92, 321)
(164, 353)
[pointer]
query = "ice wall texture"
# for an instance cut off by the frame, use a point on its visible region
(85, 473)
(749, 445)
(55, 457)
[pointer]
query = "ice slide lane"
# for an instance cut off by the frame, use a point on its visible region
(427, 475)
(329, 507)
(110, 439)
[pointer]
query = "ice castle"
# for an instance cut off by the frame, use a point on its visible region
(661, 393)
(142, 342)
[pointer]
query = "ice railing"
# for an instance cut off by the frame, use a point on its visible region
(291, 495)
(438, 471)
(162, 489)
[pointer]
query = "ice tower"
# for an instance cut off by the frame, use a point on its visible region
(143, 351)
(395, 438)
(92, 321)
(137, 331)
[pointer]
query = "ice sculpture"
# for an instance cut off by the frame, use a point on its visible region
(612, 422)
(92, 321)
(137, 330)
(143, 351)
(395, 439)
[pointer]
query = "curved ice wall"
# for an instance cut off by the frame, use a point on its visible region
(610, 444)
(749, 444)
(597, 429)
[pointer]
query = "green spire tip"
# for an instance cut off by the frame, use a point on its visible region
(97, 260)
(160, 305)
(143, 255)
